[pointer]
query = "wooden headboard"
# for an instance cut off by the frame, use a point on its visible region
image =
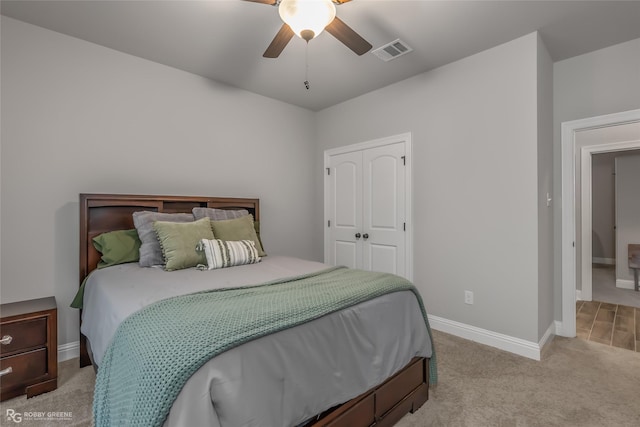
(100, 213)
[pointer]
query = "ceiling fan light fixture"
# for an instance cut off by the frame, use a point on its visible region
(307, 18)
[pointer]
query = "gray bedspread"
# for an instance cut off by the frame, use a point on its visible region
(278, 380)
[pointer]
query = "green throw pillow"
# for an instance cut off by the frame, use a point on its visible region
(179, 240)
(117, 247)
(237, 229)
(256, 226)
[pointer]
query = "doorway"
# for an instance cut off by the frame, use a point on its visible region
(576, 245)
(588, 147)
(615, 223)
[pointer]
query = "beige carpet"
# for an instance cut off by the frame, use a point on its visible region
(74, 394)
(578, 383)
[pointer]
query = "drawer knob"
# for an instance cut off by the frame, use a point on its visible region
(6, 340)
(6, 371)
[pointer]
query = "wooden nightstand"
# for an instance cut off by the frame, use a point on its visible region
(28, 347)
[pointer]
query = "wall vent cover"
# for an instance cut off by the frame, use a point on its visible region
(392, 50)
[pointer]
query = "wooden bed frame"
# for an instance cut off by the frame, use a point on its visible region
(383, 405)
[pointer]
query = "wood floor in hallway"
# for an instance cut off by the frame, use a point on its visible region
(611, 324)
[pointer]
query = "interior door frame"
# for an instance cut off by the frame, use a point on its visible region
(567, 326)
(404, 138)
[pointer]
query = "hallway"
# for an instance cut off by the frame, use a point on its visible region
(604, 287)
(610, 324)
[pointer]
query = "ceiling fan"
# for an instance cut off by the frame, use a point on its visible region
(307, 19)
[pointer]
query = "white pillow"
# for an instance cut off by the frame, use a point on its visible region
(226, 253)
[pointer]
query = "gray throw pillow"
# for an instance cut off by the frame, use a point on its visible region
(218, 214)
(150, 250)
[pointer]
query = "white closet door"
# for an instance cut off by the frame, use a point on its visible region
(345, 198)
(384, 209)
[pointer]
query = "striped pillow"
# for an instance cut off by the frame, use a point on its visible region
(227, 253)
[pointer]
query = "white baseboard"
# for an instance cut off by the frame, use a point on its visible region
(514, 345)
(559, 327)
(68, 351)
(608, 261)
(624, 284)
(548, 335)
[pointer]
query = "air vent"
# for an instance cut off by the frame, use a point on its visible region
(392, 50)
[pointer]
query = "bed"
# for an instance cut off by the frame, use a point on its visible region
(376, 375)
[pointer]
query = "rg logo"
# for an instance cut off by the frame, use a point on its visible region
(14, 416)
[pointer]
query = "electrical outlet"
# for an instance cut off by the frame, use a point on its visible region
(468, 297)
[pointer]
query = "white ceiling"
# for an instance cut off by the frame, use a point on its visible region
(224, 39)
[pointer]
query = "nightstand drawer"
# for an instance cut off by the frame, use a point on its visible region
(23, 334)
(23, 368)
(29, 347)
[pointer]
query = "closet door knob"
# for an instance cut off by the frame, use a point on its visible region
(357, 236)
(365, 236)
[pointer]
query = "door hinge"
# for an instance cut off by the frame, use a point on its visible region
(404, 226)
(329, 223)
(328, 171)
(404, 160)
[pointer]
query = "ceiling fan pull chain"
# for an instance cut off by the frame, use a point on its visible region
(306, 66)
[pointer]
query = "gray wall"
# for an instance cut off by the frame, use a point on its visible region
(601, 82)
(603, 209)
(475, 149)
(545, 186)
(78, 117)
(627, 211)
(64, 101)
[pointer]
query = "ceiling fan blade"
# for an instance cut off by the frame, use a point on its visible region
(338, 29)
(271, 2)
(279, 42)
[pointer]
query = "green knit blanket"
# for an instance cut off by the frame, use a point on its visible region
(155, 350)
